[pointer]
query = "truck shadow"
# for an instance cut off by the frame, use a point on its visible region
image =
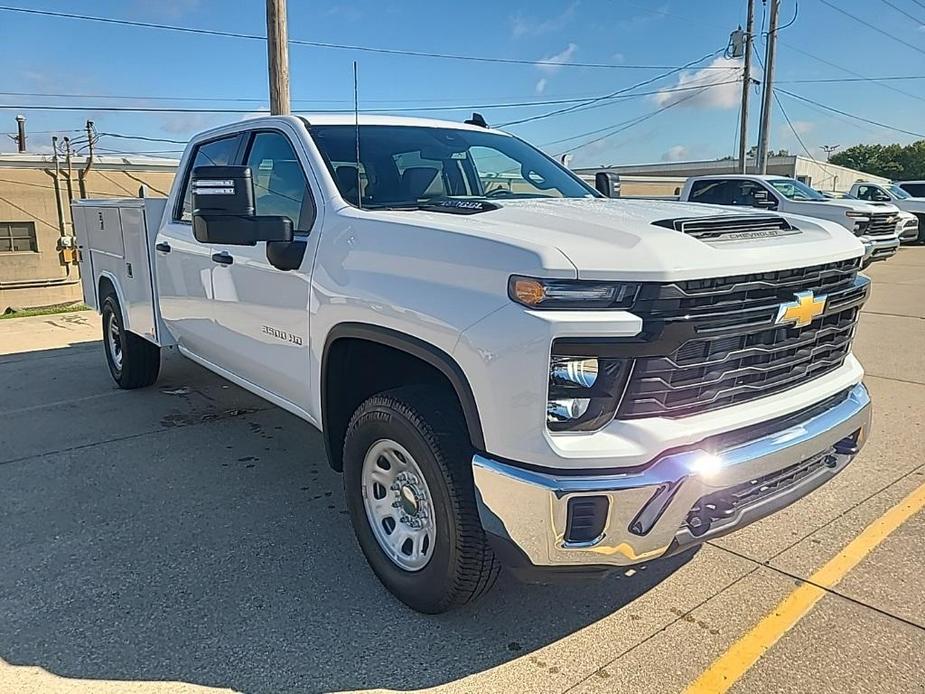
(217, 551)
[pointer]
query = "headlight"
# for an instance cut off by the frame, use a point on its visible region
(584, 392)
(857, 215)
(550, 293)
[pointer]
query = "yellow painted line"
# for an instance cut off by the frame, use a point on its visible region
(735, 662)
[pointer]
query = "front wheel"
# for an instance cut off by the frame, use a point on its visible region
(408, 484)
(133, 361)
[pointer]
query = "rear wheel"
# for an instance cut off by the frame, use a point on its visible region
(133, 361)
(408, 484)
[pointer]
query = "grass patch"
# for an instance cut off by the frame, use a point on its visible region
(44, 310)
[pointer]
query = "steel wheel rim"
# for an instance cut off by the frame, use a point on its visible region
(114, 337)
(398, 505)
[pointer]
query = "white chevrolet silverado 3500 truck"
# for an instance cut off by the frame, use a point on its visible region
(875, 223)
(913, 230)
(507, 367)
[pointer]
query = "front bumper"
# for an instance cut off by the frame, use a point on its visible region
(664, 507)
(879, 247)
(909, 233)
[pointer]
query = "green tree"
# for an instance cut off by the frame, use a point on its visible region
(900, 162)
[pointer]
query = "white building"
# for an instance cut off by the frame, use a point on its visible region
(818, 174)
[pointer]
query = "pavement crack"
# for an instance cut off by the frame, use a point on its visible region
(678, 618)
(825, 589)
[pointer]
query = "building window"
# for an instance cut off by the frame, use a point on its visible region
(17, 237)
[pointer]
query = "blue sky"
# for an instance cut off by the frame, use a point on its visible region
(51, 55)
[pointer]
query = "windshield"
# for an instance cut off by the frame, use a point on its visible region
(898, 192)
(792, 189)
(410, 165)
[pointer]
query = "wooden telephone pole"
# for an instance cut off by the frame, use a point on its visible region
(278, 57)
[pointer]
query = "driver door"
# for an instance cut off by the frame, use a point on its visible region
(260, 311)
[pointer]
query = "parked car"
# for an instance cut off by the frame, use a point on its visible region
(873, 222)
(894, 194)
(523, 374)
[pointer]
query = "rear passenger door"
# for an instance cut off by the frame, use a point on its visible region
(183, 265)
(260, 312)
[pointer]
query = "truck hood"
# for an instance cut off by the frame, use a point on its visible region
(842, 205)
(617, 239)
(916, 205)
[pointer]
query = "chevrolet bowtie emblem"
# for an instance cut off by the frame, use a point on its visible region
(803, 311)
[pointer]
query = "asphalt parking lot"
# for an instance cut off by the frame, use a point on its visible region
(191, 537)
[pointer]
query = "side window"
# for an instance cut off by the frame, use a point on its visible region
(713, 192)
(748, 193)
(916, 190)
(215, 153)
(280, 187)
(864, 193)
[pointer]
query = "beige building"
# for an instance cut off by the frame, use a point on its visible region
(818, 174)
(38, 259)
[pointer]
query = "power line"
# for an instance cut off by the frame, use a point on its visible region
(324, 44)
(872, 26)
(409, 109)
(580, 103)
(615, 93)
(633, 122)
(823, 80)
(850, 115)
(692, 20)
(902, 11)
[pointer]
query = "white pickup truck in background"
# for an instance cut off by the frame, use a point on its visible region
(873, 222)
(507, 367)
(893, 194)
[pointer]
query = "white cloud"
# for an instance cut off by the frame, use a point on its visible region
(541, 85)
(640, 20)
(720, 96)
(554, 63)
(527, 25)
(676, 153)
(803, 127)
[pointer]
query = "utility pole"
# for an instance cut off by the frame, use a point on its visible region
(82, 173)
(20, 134)
(828, 149)
(767, 91)
(278, 56)
(746, 87)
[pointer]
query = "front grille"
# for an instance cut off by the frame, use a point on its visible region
(881, 224)
(716, 508)
(722, 345)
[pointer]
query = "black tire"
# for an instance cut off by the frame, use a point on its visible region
(921, 237)
(429, 426)
(140, 359)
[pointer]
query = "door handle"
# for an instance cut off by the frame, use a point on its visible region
(163, 247)
(223, 258)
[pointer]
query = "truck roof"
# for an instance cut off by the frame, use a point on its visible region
(749, 177)
(377, 119)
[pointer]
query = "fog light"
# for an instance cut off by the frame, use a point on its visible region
(566, 409)
(580, 372)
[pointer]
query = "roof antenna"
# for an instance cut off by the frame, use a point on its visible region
(477, 119)
(356, 127)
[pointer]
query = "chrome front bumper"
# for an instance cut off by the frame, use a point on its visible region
(648, 509)
(879, 247)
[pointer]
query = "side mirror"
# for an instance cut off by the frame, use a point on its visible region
(761, 199)
(607, 184)
(223, 209)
